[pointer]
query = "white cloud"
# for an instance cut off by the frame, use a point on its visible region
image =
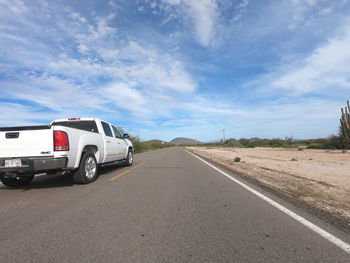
(327, 67)
(132, 63)
(325, 11)
(291, 27)
(108, 54)
(22, 115)
(15, 6)
(125, 97)
(53, 93)
(102, 29)
(133, 50)
(83, 48)
(204, 15)
(153, 5)
(243, 4)
(112, 3)
(305, 2)
(78, 17)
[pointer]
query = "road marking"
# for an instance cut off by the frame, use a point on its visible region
(134, 167)
(336, 241)
(119, 175)
(124, 173)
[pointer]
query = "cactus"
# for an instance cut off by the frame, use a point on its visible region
(289, 140)
(345, 120)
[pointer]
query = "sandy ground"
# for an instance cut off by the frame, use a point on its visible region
(318, 177)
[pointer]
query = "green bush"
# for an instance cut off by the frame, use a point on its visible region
(315, 145)
(246, 143)
(237, 159)
(145, 146)
(232, 143)
(276, 142)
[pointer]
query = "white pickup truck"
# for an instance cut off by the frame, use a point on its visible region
(77, 145)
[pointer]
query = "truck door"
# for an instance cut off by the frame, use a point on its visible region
(121, 144)
(110, 143)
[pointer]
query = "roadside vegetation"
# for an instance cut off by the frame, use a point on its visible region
(333, 142)
(145, 146)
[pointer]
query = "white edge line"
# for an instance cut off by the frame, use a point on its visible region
(336, 241)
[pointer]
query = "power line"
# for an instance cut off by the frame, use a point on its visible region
(223, 135)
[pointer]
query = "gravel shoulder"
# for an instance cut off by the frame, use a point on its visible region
(320, 178)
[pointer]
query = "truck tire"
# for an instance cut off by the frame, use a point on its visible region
(17, 182)
(129, 158)
(87, 171)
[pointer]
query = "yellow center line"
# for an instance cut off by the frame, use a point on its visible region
(124, 173)
(138, 165)
(119, 175)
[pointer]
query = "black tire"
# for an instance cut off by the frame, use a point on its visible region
(17, 182)
(129, 158)
(88, 175)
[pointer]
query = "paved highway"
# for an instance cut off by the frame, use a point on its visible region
(169, 207)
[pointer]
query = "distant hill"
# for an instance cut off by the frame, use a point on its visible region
(156, 142)
(179, 141)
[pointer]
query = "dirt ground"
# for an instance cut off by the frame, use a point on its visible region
(319, 177)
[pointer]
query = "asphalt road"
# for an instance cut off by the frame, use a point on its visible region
(168, 207)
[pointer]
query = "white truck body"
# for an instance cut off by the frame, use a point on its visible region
(29, 143)
(33, 149)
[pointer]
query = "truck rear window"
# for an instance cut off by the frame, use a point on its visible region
(81, 125)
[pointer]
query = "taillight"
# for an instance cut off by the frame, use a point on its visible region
(60, 141)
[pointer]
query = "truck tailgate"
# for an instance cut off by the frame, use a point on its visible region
(26, 142)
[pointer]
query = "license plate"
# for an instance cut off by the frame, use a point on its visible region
(13, 163)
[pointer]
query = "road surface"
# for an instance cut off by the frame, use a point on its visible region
(168, 207)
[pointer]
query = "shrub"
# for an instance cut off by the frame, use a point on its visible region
(294, 159)
(315, 145)
(276, 142)
(237, 159)
(232, 143)
(246, 143)
(144, 146)
(300, 148)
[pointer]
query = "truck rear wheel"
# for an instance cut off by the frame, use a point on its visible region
(16, 182)
(87, 171)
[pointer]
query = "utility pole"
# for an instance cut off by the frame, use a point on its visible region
(223, 135)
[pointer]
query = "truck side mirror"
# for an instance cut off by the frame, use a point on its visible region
(126, 136)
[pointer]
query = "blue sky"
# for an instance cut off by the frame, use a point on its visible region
(178, 68)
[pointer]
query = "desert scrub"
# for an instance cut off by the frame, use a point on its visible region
(237, 159)
(294, 159)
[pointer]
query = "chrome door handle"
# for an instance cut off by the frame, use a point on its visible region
(108, 141)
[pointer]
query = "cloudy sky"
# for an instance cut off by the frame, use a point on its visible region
(170, 68)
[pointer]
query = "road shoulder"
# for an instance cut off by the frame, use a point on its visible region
(324, 215)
